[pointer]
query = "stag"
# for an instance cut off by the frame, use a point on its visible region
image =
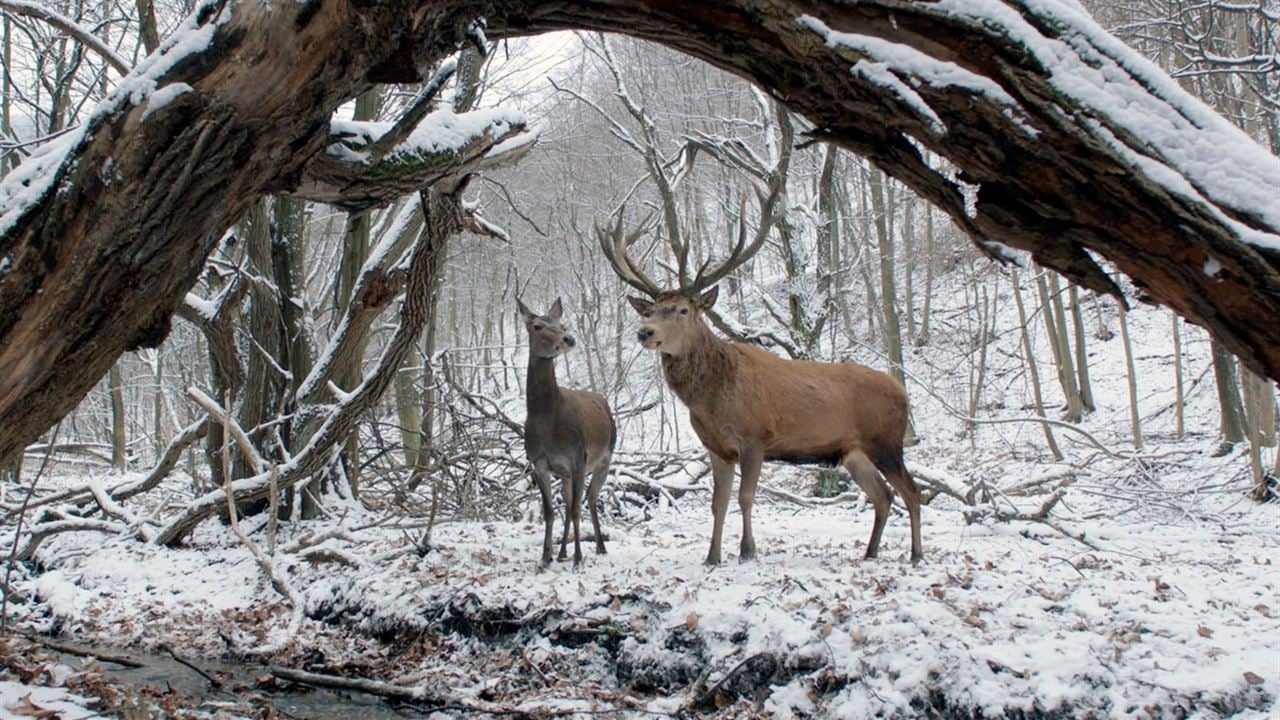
(567, 433)
(748, 405)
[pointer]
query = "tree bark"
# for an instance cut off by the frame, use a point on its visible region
(119, 443)
(1032, 372)
(1231, 415)
(1135, 418)
(121, 228)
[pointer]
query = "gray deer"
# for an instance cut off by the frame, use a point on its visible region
(567, 433)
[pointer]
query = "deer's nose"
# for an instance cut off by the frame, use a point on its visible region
(568, 340)
(644, 334)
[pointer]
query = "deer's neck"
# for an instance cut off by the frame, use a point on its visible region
(541, 391)
(701, 374)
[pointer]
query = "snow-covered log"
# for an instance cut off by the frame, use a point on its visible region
(1057, 139)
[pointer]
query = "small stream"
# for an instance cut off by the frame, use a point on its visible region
(239, 686)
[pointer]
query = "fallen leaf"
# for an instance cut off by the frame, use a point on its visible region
(616, 605)
(26, 708)
(691, 621)
(1203, 631)
(1253, 678)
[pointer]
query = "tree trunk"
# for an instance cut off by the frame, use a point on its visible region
(409, 407)
(1179, 397)
(922, 338)
(1082, 355)
(1032, 371)
(1053, 323)
(147, 25)
(1231, 414)
(881, 202)
(1054, 171)
(119, 443)
(262, 398)
(1135, 418)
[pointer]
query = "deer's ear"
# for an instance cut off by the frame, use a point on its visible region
(524, 311)
(641, 305)
(708, 298)
(556, 310)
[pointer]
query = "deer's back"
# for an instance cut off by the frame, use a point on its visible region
(803, 411)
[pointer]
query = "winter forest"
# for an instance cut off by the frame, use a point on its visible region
(294, 298)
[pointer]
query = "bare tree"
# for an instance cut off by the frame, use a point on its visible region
(1051, 172)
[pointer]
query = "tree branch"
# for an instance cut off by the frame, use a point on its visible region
(68, 26)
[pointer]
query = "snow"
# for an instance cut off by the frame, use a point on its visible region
(24, 701)
(439, 132)
(1154, 586)
(892, 59)
(998, 619)
(1151, 122)
(165, 95)
(204, 308)
(25, 186)
(1170, 126)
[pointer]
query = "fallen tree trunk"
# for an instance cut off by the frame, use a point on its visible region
(1064, 144)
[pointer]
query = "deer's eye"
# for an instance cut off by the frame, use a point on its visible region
(646, 314)
(537, 327)
(684, 311)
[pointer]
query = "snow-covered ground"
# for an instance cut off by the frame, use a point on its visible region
(1149, 613)
(1150, 590)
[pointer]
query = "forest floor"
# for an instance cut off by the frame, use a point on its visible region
(1130, 601)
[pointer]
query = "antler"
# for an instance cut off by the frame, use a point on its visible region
(615, 246)
(742, 251)
(774, 177)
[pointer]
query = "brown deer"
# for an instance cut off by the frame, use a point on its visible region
(748, 405)
(567, 433)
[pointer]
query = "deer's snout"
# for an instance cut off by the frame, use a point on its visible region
(644, 334)
(568, 340)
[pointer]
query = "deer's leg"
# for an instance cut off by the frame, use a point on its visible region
(910, 494)
(868, 478)
(579, 486)
(543, 477)
(722, 479)
(566, 492)
(750, 462)
(593, 495)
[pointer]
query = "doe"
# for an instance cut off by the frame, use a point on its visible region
(567, 433)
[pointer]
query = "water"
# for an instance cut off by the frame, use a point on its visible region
(240, 687)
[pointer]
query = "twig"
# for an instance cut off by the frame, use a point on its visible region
(70, 27)
(78, 651)
(17, 531)
(213, 681)
(708, 697)
(224, 417)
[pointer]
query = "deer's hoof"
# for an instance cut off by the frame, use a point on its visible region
(712, 560)
(600, 549)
